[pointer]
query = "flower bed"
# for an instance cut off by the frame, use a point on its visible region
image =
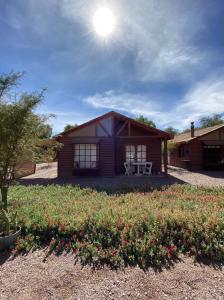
(144, 228)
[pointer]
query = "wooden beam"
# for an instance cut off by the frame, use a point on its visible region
(104, 129)
(122, 127)
(129, 128)
(139, 137)
(165, 153)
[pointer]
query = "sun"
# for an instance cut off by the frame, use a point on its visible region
(104, 22)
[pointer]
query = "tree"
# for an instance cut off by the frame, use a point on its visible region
(172, 131)
(20, 130)
(207, 121)
(146, 121)
(69, 126)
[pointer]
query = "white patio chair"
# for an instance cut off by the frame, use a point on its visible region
(128, 168)
(147, 169)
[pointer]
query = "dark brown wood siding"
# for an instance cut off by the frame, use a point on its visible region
(153, 152)
(193, 159)
(106, 157)
(66, 157)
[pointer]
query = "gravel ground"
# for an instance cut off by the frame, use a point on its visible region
(29, 277)
(212, 178)
(48, 175)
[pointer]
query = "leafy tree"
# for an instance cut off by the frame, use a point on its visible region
(146, 121)
(19, 130)
(69, 126)
(172, 131)
(207, 121)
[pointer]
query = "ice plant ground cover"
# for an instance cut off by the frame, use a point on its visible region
(122, 228)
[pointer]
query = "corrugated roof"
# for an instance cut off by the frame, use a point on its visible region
(186, 137)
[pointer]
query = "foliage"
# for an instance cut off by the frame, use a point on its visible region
(171, 130)
(144, 228)
(69, 126)
(216, 119)
(46, 150)
(8, 222)
(20, 129)
(146, 121)
(171, 146)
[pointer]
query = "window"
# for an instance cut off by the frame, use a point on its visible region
(86, 156)
(181, 151)
(130, 153)
(141, 153)
(136, 153)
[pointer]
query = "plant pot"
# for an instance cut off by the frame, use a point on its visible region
(7, 241)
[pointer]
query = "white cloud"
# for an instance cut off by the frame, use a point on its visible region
(161, 33)
(206, 98)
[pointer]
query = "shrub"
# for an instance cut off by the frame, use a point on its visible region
(144, 228)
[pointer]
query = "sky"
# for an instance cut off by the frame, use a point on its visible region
(164, 58)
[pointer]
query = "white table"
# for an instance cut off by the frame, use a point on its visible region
(139, 164)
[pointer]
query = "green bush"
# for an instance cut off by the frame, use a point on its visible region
(144, 228)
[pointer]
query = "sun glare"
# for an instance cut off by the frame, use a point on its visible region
(104, 22)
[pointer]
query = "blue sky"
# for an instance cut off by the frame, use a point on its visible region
(165, 58)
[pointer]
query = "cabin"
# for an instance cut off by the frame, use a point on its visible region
(101, 146)
(200, 149)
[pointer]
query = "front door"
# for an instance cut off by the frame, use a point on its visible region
(212, 158)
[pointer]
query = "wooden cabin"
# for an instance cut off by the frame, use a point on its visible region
(102, 145)
(200, 149)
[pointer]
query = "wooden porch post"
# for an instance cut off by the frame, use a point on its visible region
(165, 156)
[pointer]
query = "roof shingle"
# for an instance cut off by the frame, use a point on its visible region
(186, 137)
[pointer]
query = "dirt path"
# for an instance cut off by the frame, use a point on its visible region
(29, 277)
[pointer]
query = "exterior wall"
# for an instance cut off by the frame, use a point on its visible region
(153, 152)
(106, 158)
(66, 157)
(193, 159)
(214, 136)
(84, 131)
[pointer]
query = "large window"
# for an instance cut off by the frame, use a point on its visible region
(86, 156)
(136, 153)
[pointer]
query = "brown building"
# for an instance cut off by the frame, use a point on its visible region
(200, 149)
(102, 145)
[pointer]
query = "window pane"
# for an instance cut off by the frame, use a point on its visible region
(76, 151)
(93, 164)
(82, 164)
(88, 146)
(93, 151)
(93, 146)
(93, 158)
(82, 152)
(139, 154)
(82, 146)
(143, 154)
(88, 152)
(76, 158)
(88, 158)
(82, 158)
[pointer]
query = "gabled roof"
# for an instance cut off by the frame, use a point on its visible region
(116, 114)
(186, 137)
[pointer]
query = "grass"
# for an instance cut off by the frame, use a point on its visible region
(118, 229)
